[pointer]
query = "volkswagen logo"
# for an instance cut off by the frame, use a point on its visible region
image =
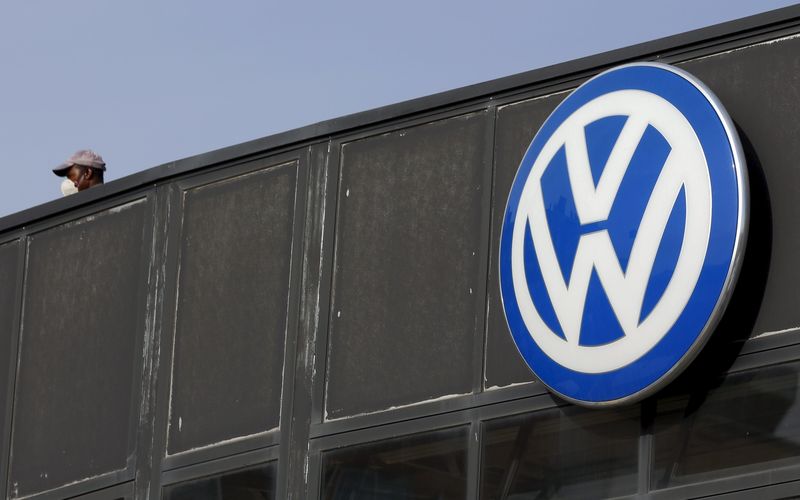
(623, 234)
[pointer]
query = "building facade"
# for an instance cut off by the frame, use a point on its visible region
(317, 314)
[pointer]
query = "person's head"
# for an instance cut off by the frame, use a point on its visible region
(81, 171)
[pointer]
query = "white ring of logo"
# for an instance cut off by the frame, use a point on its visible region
(685, 167)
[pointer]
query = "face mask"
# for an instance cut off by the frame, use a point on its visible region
(68, 187)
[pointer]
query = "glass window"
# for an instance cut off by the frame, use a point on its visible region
(564, 452)
(421, 467)
(750, 422)
(256, 483)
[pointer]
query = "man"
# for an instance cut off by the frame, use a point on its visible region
(82, 170)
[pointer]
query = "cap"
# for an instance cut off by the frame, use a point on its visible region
(84, 157)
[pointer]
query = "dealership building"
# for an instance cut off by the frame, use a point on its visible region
(329, 312)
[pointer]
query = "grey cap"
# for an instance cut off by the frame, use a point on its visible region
(84, 157)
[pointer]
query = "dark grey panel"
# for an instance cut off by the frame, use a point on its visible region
(758, 85)
(82, 318)
(232, 303)
(407, 266)
(9, 271)
(9, 264)
(516, 126)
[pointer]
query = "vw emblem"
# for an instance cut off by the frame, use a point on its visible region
(623, 234)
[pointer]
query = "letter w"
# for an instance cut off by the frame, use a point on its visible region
(625, 289)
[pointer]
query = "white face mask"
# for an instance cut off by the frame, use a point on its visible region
(68, 187)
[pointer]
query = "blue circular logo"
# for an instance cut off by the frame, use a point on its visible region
(623, 234)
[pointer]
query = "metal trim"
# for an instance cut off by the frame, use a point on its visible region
(329, 218)
(146, 453)
(221, 466)
(103, 481)
(292, 334)
(163, 349)
(484, 254)
(474, 458)
(124, 490)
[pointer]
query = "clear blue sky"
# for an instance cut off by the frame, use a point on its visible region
(150, 81)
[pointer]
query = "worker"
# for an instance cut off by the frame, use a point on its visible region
(81, 171)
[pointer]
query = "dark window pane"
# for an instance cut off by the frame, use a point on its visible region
(257, 483)
(750, 422)
(408, 248)
(421, 467)
(561, 453)
(83, 315)
(232, 302)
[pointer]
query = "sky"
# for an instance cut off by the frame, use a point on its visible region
(147, 82)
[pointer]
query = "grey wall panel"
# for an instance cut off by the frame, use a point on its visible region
(9, 276)
(232, 306)
(82, 315)
(9, 264)
(516, 126)
(760, 87)
(408, 239)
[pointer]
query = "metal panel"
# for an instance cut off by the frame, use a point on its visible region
(758, 85)
(407, 266)
(516, 126)
(8, 277)
(9, 324)
(232, 308)
(83, 311)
